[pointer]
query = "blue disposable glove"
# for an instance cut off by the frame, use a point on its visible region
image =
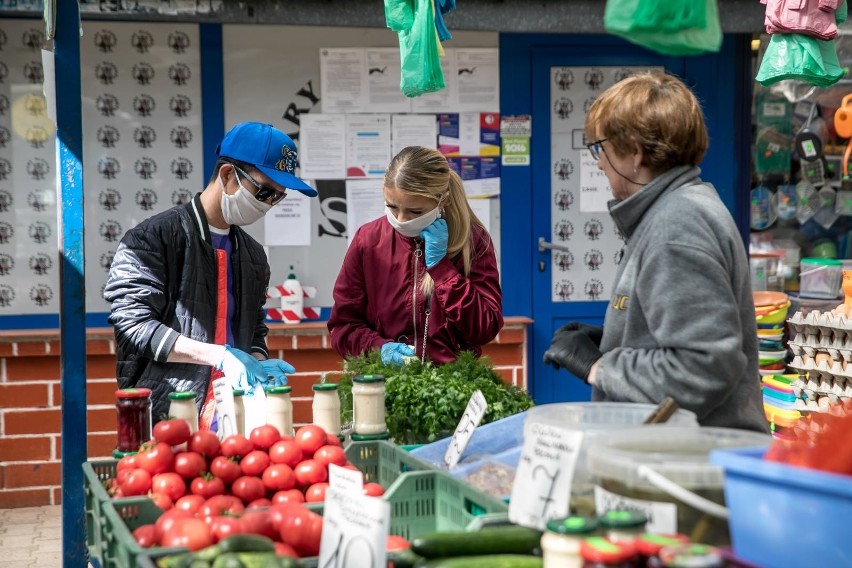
(243, 370)
(276, 371)
(392, 353)
(436, 236)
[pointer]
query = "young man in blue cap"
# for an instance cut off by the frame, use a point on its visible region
(187, 286)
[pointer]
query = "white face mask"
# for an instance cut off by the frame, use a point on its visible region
(241, 208)
(413, 227)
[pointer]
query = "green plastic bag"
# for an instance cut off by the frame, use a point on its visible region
(399, 14)
(653, 15)
(677, 42)
(799, 57)
(418, 49)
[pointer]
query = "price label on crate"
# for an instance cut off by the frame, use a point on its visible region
(542, 486)
(354, 531)
(345, 479)
(471, 418)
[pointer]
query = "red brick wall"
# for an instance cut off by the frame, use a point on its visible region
(30, 396)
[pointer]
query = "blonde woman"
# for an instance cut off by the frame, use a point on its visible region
(421, 281)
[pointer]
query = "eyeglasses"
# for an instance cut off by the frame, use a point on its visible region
(264, 192)
(596, 147)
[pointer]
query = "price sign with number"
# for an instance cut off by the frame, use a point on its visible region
(467, 425)
(354, 531)
(542, 486)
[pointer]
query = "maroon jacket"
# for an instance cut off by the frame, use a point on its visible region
(375, 292)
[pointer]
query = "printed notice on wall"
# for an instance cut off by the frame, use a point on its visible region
(289, 222)
(595, 192)
(364, 203)
(368, 144)
(322, 146)
(413, 130)
(478, 75)
(342, 80)
(383, 92)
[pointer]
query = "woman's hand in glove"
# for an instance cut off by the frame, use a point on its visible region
(277, 371)
(393, 353)
(437, 236)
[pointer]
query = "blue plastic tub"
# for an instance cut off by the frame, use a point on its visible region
(782, 515)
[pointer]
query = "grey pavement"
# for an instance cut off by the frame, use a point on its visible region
(31, 537)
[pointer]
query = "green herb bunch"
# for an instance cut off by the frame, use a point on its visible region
(424, 402)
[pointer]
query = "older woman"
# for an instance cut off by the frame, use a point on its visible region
(680, 321)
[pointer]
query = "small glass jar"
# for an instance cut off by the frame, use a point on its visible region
(326, 408)
(368, 404)
(691, 556)
(133, 417)
(623, 525)
(240, 411)
(279, 409)
(649, 545)
(182, 405)
(599, 552)
(561, 542)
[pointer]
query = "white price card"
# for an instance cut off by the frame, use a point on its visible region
(345, 479)
(471, 418)
(542, 486)
(354, 531)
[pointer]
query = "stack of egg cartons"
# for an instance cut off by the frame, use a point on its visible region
(822, 348)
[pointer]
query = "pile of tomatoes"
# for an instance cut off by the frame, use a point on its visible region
(211, 490)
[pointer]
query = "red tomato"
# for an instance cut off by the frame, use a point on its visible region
(220, 505)
(193, 534)
(373, 489)
(223, 526)
(248, 488)
(205, 443)
(166, 521)
(262, 503)
(287, 452)
(225, 469)
(302, 529)
(236, 446)
(264, 436)
(285, 550)
(155, 459)
(288, 497)
(126, 464)
(207, 486)
(309, 472)
(137, 482)
(278, 477)
(330, 454)
(190, 503)
(311, 438)
(172, 432)
(396, 542)
(258, 522)
(333, 440)
(189, 465)
(162, 501)
(170, 484)
(254, 463)
(146, 536)
(316, 492)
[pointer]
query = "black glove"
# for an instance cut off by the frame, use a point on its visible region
(573, 351)
(595, 332)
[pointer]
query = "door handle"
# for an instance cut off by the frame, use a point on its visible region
(543, 245)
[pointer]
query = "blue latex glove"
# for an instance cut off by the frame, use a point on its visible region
(243, 370)
(392, 353)
(436, 236)
(277, 371)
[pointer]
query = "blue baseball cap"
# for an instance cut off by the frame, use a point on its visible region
(267, 149)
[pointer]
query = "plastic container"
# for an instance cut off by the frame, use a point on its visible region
(292, 304)
(820, 277)
(782, 515)
(96, 499)
(666, 473)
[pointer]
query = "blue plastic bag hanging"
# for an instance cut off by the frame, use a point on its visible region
(800, 57)
(441, 8)
(419, 53)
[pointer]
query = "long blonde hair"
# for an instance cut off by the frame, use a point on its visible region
(423, 171)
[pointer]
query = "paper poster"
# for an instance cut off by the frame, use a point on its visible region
(481, 207)
(481, 176)
(322, 146)
(383, 72)
(478, 76)
(288, 224)
(595, 191)
(364, 202)
(343, 83)
(413, 130)
(368, 150)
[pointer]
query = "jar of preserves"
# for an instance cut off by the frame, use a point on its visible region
(240, 411)
(133, 416)
(561, 542)
(623, 525)
(368, 404)
(599, 552)
(691, 556)
(182, 405)
(649, 545)
(326, 408)
(279, 409)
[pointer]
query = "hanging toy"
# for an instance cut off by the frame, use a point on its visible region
(843, 127)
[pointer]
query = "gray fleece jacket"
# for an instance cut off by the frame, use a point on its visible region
(681, 318)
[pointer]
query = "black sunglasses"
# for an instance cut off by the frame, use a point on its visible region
(264, 192)
(595, 148)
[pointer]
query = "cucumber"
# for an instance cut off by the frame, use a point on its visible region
(246, 543)
(489, 540)
(485, 561)
(209, 553)
(228, 560)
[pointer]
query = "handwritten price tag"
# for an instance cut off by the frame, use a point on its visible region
(354, 531)
(467, 425)
(345, 479)
(542, 486)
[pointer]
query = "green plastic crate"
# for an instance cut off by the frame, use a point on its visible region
(383, 462)
(119, 549)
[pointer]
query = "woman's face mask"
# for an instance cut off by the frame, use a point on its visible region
(413, 227)
(241, 208)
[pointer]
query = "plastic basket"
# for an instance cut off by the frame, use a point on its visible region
(782, 515)
(383, 462)
(95, 473)
(119, 548)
